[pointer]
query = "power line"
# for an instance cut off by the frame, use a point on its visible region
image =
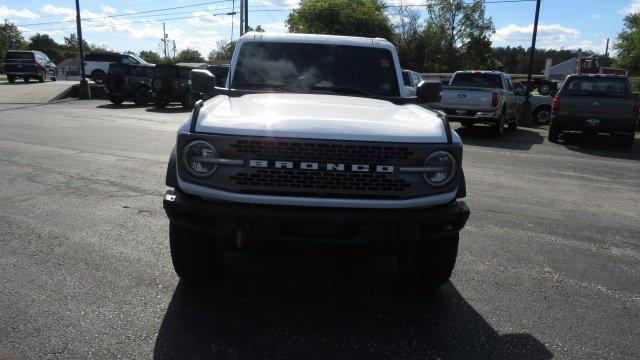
(129, 14)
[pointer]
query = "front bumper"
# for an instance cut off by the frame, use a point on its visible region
(376, 230)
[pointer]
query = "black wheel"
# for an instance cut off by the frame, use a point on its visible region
(554, 133)
(115, 99)
(11, 78)
(188, 101)
(513, 125)
(466, 123)
(98, 76)
(196, 256)
(26, 79)
(161, 103)
(53, 78)
(142, 97)
(432, 261)
(498, 127)
(626, 141)
(541, 115)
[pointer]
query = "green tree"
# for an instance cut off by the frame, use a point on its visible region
(189, 55)
(70, 47)
(256, 29)
(150, 56)
(465, 31)
(628, 44)
(44, 43)
(10, 38)
(223, 51)
(341, 17)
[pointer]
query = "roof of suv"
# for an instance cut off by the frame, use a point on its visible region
(317, 39)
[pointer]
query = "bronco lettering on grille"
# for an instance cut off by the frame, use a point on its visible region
(306, 165)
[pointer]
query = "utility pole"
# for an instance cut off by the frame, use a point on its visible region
(233, 12)
(525, 113)
(246, 16)
(241, 17)
(84, 92)
(164, 40)
(606, 54)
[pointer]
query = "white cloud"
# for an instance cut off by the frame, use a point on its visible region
(54, 10)
(550, 36)
(596, 16)
(109, 10)
(632, 8)
(6, 12)
(278, 27)
(208, 20)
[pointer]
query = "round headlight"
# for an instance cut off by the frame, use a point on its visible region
(443, 168)
(195, 158)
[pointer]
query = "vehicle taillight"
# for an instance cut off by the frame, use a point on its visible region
(636, 109)
(555, 105)
(495, 99)
(39, 64)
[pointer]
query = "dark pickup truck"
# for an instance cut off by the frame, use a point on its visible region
(595, 104)
(28, 65)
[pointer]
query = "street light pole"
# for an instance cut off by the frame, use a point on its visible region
(525, 108)
(84, 92)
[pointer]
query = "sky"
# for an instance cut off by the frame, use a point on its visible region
(136, 25)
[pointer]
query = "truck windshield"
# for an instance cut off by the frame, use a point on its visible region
(481, 80)
(597, 86)
(300, 67)
(22, 55)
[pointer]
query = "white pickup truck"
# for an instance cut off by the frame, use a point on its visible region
(314, 144)
(480, 97)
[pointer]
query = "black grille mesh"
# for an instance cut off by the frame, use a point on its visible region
(320, 180)
(320, 152)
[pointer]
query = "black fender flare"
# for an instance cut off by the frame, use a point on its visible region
(462, 186)
(171, 179)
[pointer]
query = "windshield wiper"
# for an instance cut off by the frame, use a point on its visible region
(345, 90)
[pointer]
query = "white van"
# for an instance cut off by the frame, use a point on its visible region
(97, 65)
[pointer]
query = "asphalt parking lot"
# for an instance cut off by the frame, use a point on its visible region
(549, 263)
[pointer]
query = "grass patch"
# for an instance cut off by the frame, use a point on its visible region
(3, 78)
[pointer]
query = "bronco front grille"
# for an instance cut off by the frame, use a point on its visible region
(322, 152)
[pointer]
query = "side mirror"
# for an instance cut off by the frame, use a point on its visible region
(429, 91)
(544, 90)
(202, 82)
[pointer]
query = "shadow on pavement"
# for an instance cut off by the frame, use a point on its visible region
(168, 109)
(482, 135)
(122, 106)
(599, 145)
(327, 308)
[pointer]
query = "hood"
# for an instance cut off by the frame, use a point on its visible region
(315, 116)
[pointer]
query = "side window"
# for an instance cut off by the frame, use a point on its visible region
(126, 59)
(507, 81)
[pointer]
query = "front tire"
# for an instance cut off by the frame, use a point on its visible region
(142, 97)
(554, 133)
(117, 100)
(432, 261)
(498, 127)
(542, 115)
(98, 76)
(195, 256)
(626, 141)
(11, 79)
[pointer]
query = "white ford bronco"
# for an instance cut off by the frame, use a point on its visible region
(314, 144)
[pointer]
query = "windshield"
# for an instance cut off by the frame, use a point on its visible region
(139, 59)
(24, 55)
(481, 80)
(311, 67)
(595, 86)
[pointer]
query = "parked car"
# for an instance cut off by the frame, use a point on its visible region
(540, 101)
(129, 83)
(221, 72)
(595, 104)
(28, 65)
(480, 97)
(308, 156)
(170, 84)
(96, 65)
(411, 79)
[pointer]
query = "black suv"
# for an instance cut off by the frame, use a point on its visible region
(171, 84)
(129, 83)
(28, 65)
